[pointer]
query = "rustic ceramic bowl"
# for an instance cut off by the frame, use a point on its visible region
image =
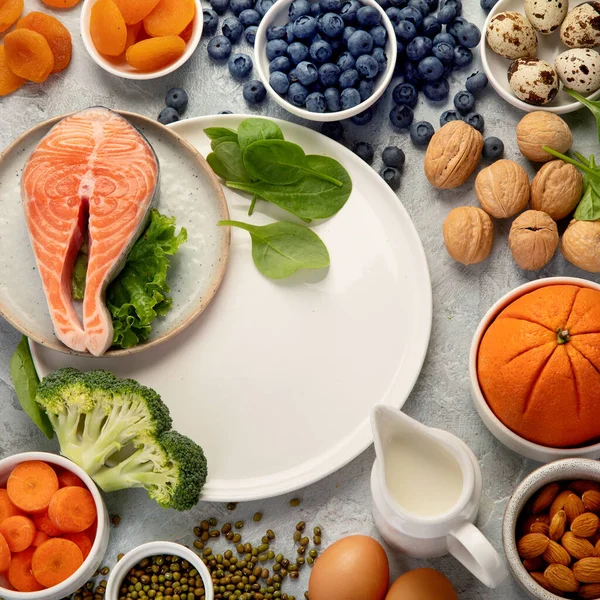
(560, 470)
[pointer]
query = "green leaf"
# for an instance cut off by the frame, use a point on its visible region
(221, 133)
(588, 208)
(25, 380)
(226, 161)
(310, 198)
(592, 105)
(253, 130)
(80, 273)
(280, 249)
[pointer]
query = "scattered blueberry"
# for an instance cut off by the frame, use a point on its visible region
(177, 99)
(329, 74)
(210, 20)
(250, 34)
(401, 116)
(237, 6)
(410, 13)
(168, 115)
(316, 103)
(419, 48)
(365, 89)
(445, 38)
(493, 148)
(349, 98)
(433, 5)
(232, 29)
(279, 82)
(379, 35)
(297, 94)
(443, 52)
(430, 69)
(346, 61)
(468, 35)
(262, 6)
(348, 79)
(220, 6)
(333, 130)
(449, 115)
(393, 14)
(463, 57)
(299, 8)
(363, 118)
(348, 31)
(391, 176)
(464, 102)
(380, 56)
(360, 42)
(431, 26)
(406, 31)
(446, 14)
(276, 48)
(281, 63)
(332, 97)
(405, 94)
(240, 65)
(254, 91)
(436, 91)
(476, 82)
(487, 5)
(368, 16)
(456, 4)
(393, 156)
(298, 52)
(333, 6)
(305, 27)
(411, 74)
(475, 120)
(249, 17)
(219, 47)
(349, 10)
(225, 112)
(307, 73)
(421, 132)
(420, 5)
(365, 151)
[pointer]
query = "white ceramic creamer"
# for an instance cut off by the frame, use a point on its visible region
(426, 489)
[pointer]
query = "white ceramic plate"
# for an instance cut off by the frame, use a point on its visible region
(549, 47)
(276, 380)
(189, 191)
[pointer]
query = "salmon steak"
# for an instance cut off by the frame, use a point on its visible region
(93, 174)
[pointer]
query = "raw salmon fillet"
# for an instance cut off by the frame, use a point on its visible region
(93, 169)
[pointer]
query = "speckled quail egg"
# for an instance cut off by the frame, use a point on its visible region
(533, 80)
(581, 27)
(579, 69)
(511, 35)
(546, 15)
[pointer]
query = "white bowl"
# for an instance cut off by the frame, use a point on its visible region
(152, 549)
(278, 15)
(508, 437)
(96, 555)
(549, 47)
(122, 69)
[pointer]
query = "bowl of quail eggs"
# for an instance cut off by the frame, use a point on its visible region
(535, 49)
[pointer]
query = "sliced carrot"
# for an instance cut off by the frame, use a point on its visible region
(91, 531)
(19, 572)
(7, 508)
(67, 479)
(40, 538)
(18, 531)
(72, 509)
(44, 524)
(31, 486)
(56, 560)
(82, 540)
(4, 554)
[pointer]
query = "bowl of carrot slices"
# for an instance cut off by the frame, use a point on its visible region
(53, 527)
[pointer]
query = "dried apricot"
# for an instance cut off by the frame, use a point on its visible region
(134, 11)
(9, 82)
(10, 11)
(155, 53)
(60, 3)
(133, 32)
(170, 17)
(28, 55)
(186, 34)
(107, 28)
(56, 34)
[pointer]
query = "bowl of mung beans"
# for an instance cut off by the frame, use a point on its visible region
(160, 571)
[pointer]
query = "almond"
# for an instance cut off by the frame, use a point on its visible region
(540, 579)
(562, 578)
(581, 486)
(577, 547)
(591, 500)
(535, 564)
(597, 547)
(559, 502)
(539, 527)
(529, 521)
(585, 525)
(556, 554)
(557, 525)
(532, 545)
(587, 570)
(573, 507)
(544, 498)
(589, 592)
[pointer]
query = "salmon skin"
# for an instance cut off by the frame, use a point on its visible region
(93, 171)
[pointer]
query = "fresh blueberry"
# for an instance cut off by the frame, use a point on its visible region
(297, 94)
(475, 120)
(380, 56)
(292, 77)
(379, 35)
(431, 26)
(315, 103)
(348, 31)
(468, 35)
(333, 130)
(366, 87)
(436, 91)
(410, 13)
(456, 4)
(349, 98)
(493, 148)
(315, 10)
(279, 82)
(401, 116)
(360, 42)
(421, 132)
(289, 30)
(363, 118)
(446, 14)
(232, 29)
(392, 12)
(368, 16)
(433, 5)
(367, 66)
(329, 74)
(299, 8)
(410, 73)
(443, 52)
(220, 6)
(346, 61)
(420, 5)
(365, 151)
(444, 38)
(349, 10)
(240, 65)
(383, 3)
(281, 63)
(463, 57)
(305, 27)
(225, 112)
(449, 115)
(391, 176)
(330, 25)
(393, 156)
(262, 6)
(249, 17)
(307, 73)
(250, 34)
(336, 45)
(237, 6)
(321, 51)
(211, 21)
(476, 82)
(276, 48)
(399, 4)
(332, 97)
(430, 69)
(406, 31)
(298, 52)
(348, 79)
(333, 6)
(464, 102)
(254, 91)
(487, 5)
(419, 48)
(405, 94)
(168, 115)
(400, 48)
(219, 47)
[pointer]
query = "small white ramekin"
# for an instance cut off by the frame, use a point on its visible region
(96, 556)
(123, 69)
(278, 15)
(153, 549)
(508, 437)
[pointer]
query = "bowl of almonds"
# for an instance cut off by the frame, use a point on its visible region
(551, 531)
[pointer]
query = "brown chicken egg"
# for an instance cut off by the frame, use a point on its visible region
(354, 568)
(421, 584)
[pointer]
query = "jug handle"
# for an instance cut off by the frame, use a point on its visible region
(471, 548)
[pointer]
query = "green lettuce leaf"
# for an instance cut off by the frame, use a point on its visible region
(79, 273)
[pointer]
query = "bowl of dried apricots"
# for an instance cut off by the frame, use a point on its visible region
(141, 39)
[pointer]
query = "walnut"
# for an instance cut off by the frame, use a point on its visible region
(581, 245)
(533, 239)
(541, 128)
(503, 188)
(468, 234)
(556, 189)
(452, 155)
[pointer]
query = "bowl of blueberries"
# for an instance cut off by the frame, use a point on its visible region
(326, 60)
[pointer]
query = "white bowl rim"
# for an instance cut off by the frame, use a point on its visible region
(151, 549)
(391, 50)
(510, 98)
(102, 525)
(140, 76)
(530, 449)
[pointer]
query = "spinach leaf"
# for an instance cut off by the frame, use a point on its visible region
(25, 380)
(280, 163)
(593, 106)
(254, 130)
(280, 249)
(226, 161)
(310, 198)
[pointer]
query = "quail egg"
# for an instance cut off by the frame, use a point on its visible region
(546, 15)
(511, 35)
(533, 80)
(581, 27)
(579, 69)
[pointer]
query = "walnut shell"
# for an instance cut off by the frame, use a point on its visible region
(581, 245)
(468, 234)
(452, 154)
(503, 188)
(533, 239)
(541, 128)
(556, 189)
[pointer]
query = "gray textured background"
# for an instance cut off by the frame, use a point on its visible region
(340, 503)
